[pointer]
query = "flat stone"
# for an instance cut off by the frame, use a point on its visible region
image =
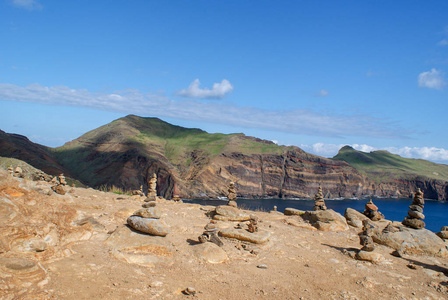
(416, 242)
(150, 212)
(416, 208)
(258, 237)
(354, 218)
(17, 264)
(38, 245)
(373, 257)
(210, 252)
(150, 226)
(326, 220)
(149, 204)
(140, 249)
(413, 223)
(416, 214)
(293, 212)
(371, 206)
(229, 213)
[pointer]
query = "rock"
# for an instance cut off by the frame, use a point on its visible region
(150, 212)
(17, 264)
(293, 212)
(262, 266)
(38, 245)
(354, 217)
(150, 226)
(258, 237)
(58, 189)
(416, 208)
(413, 223)
(210, 252)
(369, 256)
(326, 220)
(140, 249)
(189, 291)
(444, 228)
(416, 214)
(417, 242)
(232, 203)
(229, 213)
(443, 234)
(149, 204)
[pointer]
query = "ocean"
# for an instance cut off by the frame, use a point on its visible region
(436, 213)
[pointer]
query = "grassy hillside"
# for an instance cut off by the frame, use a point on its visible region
(109, 145)
(380, 165)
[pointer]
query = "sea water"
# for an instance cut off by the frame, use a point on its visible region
(436, 213)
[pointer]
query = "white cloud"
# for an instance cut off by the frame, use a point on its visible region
(218, 91)
(433, 79)
(427, 153)
(322, 93)
(299, 121)
(27, 4)
(443, 42)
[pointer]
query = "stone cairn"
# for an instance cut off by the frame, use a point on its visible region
(176, 195)
(152, 189)
(253, 224)
(371, 211)
(365, 237)
(147, 219)
(415, 213)
(210, 234)
(18, 172)
(443, 234)
(319, 202)
(62, 180)
(232, 195)
(11, 170)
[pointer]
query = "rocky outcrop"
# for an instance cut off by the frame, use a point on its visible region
(326, 220)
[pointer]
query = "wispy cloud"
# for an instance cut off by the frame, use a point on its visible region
(299, 121)
(27, 4)
(218, 91)
(443, 42)
(322, 93)
(428, 153)
(433, 79)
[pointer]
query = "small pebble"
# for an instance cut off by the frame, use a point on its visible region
(262, 266)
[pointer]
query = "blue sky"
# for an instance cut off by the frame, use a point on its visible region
(315, 74)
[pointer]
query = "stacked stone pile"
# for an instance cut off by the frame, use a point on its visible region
(147, 219)
(415, 213)
(11, 170)
(319, 202)
(210, 234)
(18, 172)
(443, 233)
(152, 189)
(371, 211)
(232, 195)
(62, 180)
(365, 239)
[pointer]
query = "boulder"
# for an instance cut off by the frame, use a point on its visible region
(293, 212)
(354, 217)
(326, 220)
(258, 237)
(140, 249)
(150, 226)
(411, 241)
(210, 252)
(229, 213)
(149, 212)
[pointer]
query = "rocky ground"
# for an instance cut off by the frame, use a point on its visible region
(78, 246)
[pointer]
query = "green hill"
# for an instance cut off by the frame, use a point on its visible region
(381, 166)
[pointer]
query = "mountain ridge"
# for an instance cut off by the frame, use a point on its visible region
(196, 164)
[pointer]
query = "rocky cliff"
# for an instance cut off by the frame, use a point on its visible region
(196, 164)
